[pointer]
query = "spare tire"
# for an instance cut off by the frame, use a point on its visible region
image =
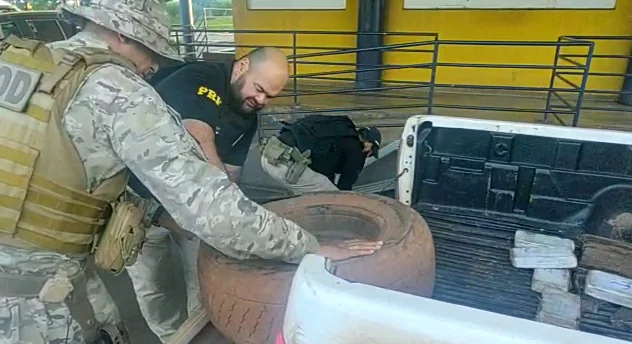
(246, 299)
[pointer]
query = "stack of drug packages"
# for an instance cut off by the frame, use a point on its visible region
(602, 270)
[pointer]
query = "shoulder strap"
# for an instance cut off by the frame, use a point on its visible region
(24, 43)
(67, 60)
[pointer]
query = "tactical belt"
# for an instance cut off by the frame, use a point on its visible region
(12, 285)
(25, 286)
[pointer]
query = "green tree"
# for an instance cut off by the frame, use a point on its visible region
(198, 6)
(40, 5)
(173, 9)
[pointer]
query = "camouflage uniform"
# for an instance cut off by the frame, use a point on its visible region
(117, 121)
(29, 320)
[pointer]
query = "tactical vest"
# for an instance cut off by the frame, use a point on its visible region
(319, 133)
(44, 204)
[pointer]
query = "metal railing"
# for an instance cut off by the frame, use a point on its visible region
(565, 66)
(604, 57)
(203, 25)
(320, 85)
(551, 77)
(213, 15)
(502, 48)
(178, 34)
(323, 76)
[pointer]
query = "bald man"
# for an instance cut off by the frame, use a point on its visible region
(218, 103)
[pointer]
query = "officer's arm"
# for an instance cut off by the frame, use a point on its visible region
(205, 138)
(148, 137)
(236, 157)
(354, 160)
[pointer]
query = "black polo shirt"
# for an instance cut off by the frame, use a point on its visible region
(201, 90)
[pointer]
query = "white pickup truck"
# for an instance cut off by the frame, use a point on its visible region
(477, 183)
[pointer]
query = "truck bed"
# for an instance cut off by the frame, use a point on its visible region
(473, 270)
(477, 182)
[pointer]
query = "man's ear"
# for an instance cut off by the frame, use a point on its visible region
(241, 67)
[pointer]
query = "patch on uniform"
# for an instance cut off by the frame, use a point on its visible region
(210, 94)
(17, 84)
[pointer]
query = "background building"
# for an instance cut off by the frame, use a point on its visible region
(537, 20)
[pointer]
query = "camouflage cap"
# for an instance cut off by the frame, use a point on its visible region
(145, 21)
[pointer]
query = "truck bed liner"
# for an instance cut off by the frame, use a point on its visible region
(473, 269)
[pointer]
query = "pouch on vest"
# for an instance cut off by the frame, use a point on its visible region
(273, 150)
(122, 238)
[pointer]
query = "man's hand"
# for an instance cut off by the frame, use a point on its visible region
(348, 249)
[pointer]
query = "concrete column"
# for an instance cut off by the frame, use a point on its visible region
(370, 19)
(186, 19)
(626, 99)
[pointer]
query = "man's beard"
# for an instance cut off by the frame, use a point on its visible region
(244, 118)
(236, 101)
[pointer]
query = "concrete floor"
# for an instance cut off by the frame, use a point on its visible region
(120, 286)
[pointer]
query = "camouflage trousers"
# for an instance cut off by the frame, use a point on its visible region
(28, 320)
(154, 281)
